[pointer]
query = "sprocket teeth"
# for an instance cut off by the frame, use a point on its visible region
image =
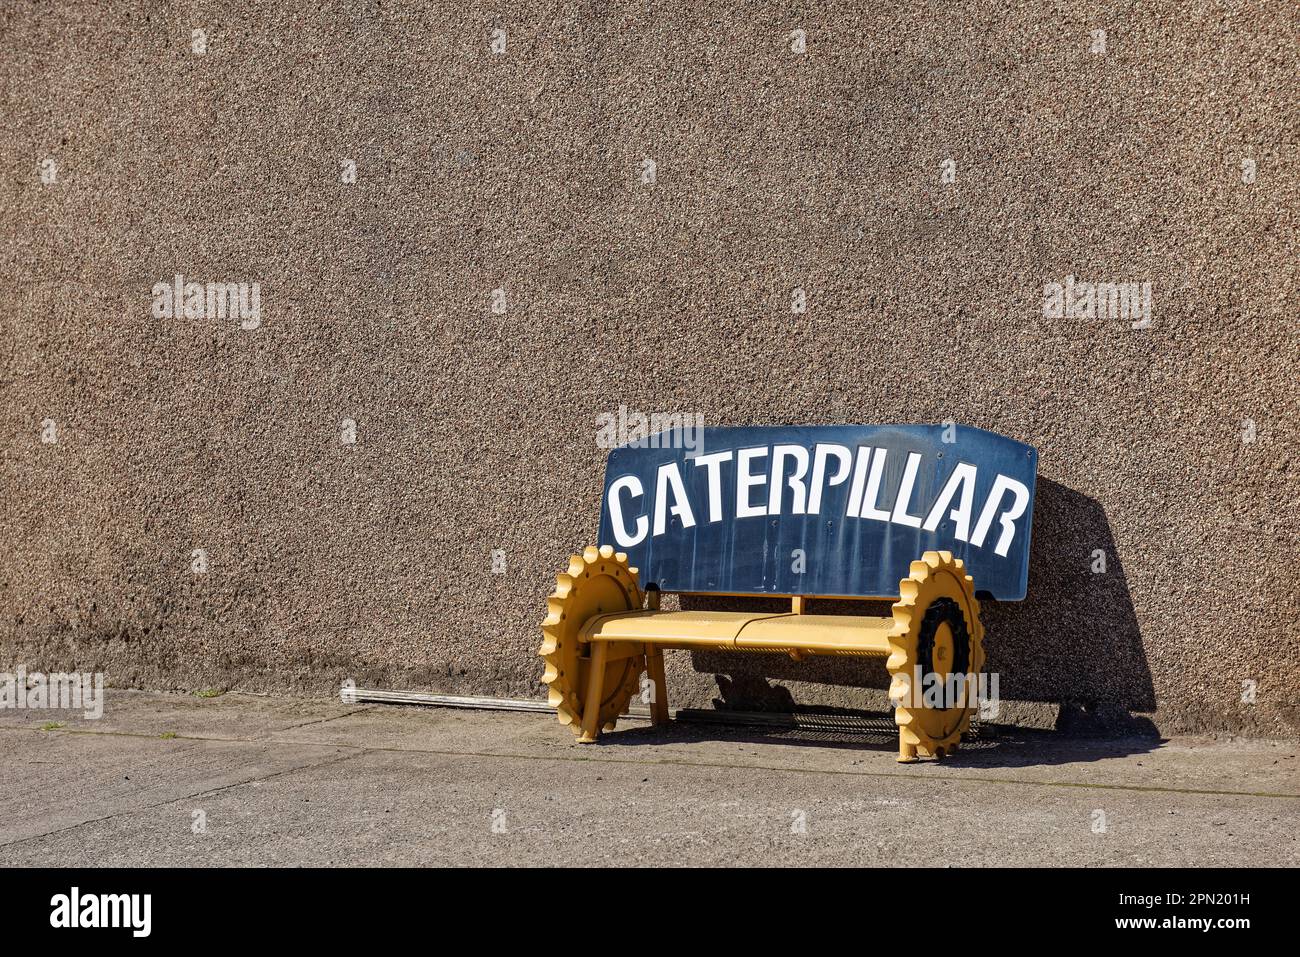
(576, 599)
(930, 730)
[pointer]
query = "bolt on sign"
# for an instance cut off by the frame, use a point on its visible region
(858, 503)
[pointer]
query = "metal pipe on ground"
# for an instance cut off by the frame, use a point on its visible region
(849, 722)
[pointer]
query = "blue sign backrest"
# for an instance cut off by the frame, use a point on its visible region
(837, 510)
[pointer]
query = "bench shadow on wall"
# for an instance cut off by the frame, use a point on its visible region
(1069, 657)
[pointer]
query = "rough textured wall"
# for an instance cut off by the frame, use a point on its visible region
(524, 171)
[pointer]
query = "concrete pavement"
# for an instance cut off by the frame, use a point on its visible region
(170, 779)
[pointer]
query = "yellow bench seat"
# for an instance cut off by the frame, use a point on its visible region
(745, 631)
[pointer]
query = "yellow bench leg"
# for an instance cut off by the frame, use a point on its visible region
(654, 666)
(595, 690)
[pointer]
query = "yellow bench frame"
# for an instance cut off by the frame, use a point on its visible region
(602, 632)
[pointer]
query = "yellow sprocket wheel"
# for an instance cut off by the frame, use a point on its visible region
(936, 629)
(597, 582)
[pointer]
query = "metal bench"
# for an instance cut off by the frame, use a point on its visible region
(801, 512)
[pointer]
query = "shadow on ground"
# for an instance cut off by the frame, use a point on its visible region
(988, 747)
(1073, 644)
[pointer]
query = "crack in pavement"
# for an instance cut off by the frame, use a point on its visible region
(723, 765)
(307, 724)
(310, 765)
(264, 737)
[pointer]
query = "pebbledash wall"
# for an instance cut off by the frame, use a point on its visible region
(473, 230)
